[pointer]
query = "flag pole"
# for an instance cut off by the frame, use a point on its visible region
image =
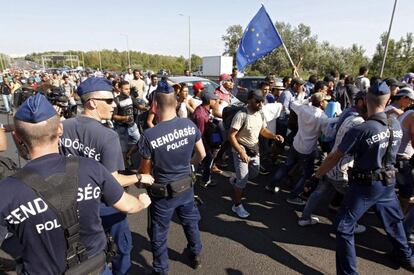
(295, 72)
(388, 40)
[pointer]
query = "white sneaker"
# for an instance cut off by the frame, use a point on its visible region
(311, 221)
(359, 229)
(240, 211)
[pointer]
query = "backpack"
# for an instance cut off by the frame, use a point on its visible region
(7, 167)
(230, 111)
(65, 206)
(228, 114)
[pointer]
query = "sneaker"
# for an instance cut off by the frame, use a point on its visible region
(305, 222)
(263, 171)
(410, 239)
(240, 211)
(216, 170)
(407, 263)
(272, 190)
(359, 229)
(210, 182)
(232, 180)
(296, 201)
(195, 260)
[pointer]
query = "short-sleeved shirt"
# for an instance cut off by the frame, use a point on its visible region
(87, 137)
(368, 143)
(340, 171)
(201, 117)
(248, 125)
(37, 226)
(169, 145)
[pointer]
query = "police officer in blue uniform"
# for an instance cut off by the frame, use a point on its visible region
(86, 136)
(374, 145)
(167, 151)
(31, 219)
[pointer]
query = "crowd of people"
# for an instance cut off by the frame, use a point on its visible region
(351, 137)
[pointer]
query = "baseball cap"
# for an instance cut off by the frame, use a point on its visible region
(279, 86)
(379, 88)
(394, 82)
(297, 80)
(225, 77)
(360, 95)
(164, 87)
(198, 86)
(319, 97)
(206, 96)
(94, 84)
(408, 92)
(256, 94)
(35, 109)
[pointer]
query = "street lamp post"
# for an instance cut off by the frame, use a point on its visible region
(189, 41)
(127, 44)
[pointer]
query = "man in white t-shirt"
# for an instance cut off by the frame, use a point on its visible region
(337, 177)
(362, 82)
(311, 121)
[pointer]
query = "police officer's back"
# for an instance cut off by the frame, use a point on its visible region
(30, 216)
(167, 153)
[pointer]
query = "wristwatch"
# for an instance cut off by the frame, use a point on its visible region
(139, 177)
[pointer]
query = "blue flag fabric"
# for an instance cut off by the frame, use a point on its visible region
(259, 38)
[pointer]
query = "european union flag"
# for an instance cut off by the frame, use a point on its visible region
(259, 38)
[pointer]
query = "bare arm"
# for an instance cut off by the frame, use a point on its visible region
(331, 160)
(200, 152)
(130, 204)
(3, 140)
(264, 132)
(127, 180)
(150, 119)
(236, 145)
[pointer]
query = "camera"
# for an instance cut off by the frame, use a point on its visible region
(56, 96)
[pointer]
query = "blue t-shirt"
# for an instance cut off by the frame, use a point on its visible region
(36, 225)
(170, 146)
(87, 137)
(368, 143)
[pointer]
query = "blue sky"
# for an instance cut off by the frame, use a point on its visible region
(156, 26)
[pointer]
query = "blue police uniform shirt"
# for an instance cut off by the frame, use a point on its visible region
(368, 142)
(36, 225)
(87, 137)
(170, 146)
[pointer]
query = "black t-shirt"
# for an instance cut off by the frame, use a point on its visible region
(170, 146)
(36, 225)
(87, 137)
(125, 107)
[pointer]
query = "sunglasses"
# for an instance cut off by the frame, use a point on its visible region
(108, 101)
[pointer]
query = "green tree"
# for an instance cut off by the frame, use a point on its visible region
(232, 40)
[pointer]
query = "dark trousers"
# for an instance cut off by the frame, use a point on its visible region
(161, 212)
(116, 224)
(294, 157)
(357, 201)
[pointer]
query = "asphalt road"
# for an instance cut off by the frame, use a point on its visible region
(268, 242)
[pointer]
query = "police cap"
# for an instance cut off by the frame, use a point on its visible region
(94, 84)
(35, 109)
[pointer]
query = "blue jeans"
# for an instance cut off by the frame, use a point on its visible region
(161, 212)
(127, 134)
(207, 163)
(405, 180)
(294, 157)
(326, 187)
(245, 171)
(116, 223)
(7, 101)
(357, 201)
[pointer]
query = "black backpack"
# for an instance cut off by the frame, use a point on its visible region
(7, 167)
(228, 114)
